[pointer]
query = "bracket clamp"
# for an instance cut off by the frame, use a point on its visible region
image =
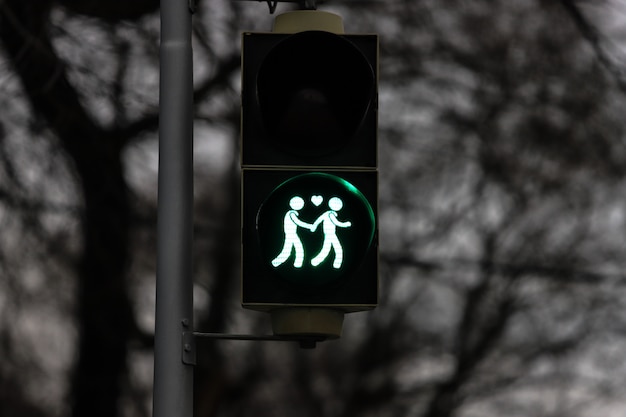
(193, 6)
(189, 348)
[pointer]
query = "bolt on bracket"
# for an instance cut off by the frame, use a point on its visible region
(189, 348)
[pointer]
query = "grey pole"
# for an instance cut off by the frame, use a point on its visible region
(173, 376)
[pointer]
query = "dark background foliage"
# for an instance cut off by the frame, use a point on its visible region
(502, 215)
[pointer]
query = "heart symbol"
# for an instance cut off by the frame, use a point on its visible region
(317, 200)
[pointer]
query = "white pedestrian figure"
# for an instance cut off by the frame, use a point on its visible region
(292, 240)
(329, 226)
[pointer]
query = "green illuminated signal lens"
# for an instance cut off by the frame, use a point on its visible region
(315, 228)
(329, 222)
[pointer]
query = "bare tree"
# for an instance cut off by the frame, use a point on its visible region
(501, 217)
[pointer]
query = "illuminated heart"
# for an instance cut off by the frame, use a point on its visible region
(317, 200)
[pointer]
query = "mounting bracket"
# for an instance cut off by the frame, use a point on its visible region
(305, 341)
(189, 348)
(310, 4)
(193, 6)
(304, 4)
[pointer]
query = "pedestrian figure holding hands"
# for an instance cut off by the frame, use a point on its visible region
(329, 226)
(292, 240)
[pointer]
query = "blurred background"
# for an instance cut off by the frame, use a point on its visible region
(502, 161)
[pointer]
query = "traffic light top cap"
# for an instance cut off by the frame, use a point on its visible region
(304, 20)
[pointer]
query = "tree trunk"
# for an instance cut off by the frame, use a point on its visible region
(104, 313)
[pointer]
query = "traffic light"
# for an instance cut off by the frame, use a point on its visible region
(309, 170)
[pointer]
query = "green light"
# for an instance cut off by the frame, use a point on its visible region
(292, 240)
(329, 222)
(315, 228)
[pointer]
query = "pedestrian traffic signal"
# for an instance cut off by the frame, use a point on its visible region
(309, 238)
(309, 170)
(324, 205)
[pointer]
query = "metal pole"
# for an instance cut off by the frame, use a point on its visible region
(173, 376)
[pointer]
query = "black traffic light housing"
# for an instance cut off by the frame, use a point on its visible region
(309, 99)
(353, 288)
(309, 176)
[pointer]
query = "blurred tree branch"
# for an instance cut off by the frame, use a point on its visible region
(111, 10)
(590, 32)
